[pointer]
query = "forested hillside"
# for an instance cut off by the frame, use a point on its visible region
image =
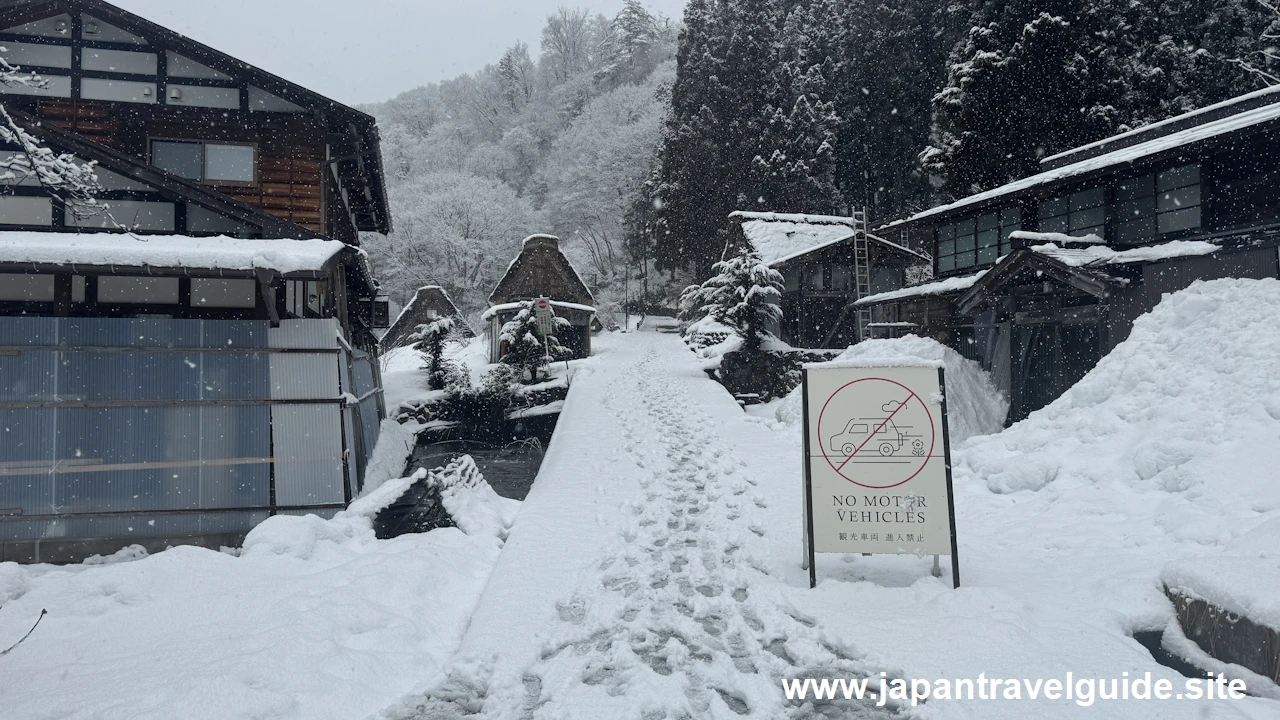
(634, 147)
(558, 142)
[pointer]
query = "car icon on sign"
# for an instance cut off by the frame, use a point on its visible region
(857, 434)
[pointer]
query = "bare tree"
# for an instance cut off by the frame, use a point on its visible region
(567, 43)
(1264, 61)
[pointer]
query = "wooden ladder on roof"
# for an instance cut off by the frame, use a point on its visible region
(861, 271)
(861, 281)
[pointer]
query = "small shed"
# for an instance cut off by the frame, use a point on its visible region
(827, 262)
(429, 303)
(542, 270)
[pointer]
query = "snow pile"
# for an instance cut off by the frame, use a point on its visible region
(1245, 586)
(315, 619)
(1187, 407)
(471, 501)
(974, 405)
(1102, 255)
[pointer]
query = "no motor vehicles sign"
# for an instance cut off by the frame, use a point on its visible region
(877, 463)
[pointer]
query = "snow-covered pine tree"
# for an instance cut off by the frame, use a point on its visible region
(1080, 70)
(794, 163)
(892, 60)
(744, 294)
(725, 58)
(526, 347)
(66, 180)
(430, 338)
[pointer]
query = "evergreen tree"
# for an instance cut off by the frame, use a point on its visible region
(744, 294)
(527, 348)
(1036, 77)
(430, 338)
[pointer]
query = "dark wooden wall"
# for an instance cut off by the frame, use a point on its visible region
(291, 150)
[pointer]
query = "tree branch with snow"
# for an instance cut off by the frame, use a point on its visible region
(72, 183)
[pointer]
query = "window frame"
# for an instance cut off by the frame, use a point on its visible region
(204, 159)
(1004, 225)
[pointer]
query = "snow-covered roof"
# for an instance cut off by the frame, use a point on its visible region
(779, 237)
(167, 251)
(1101, 255)
(938, 287)
(1198, 133)
(506, 307)
(1163, 124)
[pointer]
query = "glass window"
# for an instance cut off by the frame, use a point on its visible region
(1078, 214)
(841, 278)
(217, 292)
(976, 241)
(177, 158)
(205, 161)
(16, 287)
(228, 163)
(813, 277)
(138, 290)
(1149, 206)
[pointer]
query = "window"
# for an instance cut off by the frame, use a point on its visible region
(138, 290)
(214, 292)
(309, 299)
(842, 278)
(1150, 206)
(15, 287)
(976, 241)
(206, 162)
(1077, 214)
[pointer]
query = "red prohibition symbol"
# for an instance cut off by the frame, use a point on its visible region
(872, 438)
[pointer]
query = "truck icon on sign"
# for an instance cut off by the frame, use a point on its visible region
(889, 438)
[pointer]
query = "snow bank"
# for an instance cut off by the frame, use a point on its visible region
(1245, 586)
(1188, 406)
(315, 619)
(974, 405)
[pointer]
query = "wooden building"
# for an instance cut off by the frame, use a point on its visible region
(200, 355)
(827, 262)
(1040, 278)
(542, 270)
(428, 303)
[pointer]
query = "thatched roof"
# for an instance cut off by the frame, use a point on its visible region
(541, 270)
(428, 303)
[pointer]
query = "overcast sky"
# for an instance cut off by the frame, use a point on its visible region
(367, 50)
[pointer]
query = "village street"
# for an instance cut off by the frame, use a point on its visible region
(653, 572)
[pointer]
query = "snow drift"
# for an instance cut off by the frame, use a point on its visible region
(315, 619)
(1188, 405)
(974, 405)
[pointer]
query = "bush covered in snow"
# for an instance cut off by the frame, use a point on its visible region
(527, 347)
(974, 405)
(430, 338)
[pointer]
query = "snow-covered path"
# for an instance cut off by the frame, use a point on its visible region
(632, 584)
(653, 572)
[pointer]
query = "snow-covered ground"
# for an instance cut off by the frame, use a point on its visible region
(654, 570)
(314, 619)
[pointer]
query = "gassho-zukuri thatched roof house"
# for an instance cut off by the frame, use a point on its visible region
(429, 303)
(542, 270)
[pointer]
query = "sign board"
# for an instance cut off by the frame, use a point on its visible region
(542, 309)
(877, 463)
